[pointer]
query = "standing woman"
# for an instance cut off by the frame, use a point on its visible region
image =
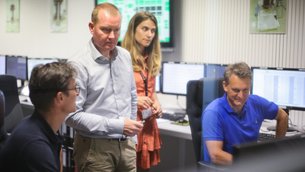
(142, 41)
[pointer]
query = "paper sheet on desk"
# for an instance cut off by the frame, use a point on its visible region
(161, 120)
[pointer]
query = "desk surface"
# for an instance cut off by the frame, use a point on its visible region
(167, 127)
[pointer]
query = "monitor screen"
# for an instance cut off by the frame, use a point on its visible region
(176, 75)
(285, 87)
(2, 64)
(17, 66)
(214, 70)
(32, 62)
(160, 8)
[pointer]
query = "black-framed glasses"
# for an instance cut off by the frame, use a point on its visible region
(76, 88)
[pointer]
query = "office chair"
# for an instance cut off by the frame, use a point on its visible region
(2, 113)
(13, 109)
(194, 92)
(199, 93)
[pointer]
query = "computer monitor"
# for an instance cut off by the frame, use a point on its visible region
(278, 155)
(2, 64)
(32, 62)
(175, 76)
(214, 70)
(162, 9)
(285, 87)
(17, 66)
(158, 83)
(212, 83)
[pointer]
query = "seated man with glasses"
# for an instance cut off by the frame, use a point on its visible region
(35, 143)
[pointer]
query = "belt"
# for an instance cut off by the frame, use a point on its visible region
(118, 139)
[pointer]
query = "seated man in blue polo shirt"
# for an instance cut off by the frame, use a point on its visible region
(236, 117)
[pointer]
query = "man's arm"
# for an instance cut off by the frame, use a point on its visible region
(282, 123)
(218, 156)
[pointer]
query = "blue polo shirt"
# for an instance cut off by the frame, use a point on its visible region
(221, 123)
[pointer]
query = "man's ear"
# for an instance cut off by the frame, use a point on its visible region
(224, 85)
(59, 97)
(91, 27)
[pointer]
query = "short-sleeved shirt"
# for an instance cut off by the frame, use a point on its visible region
(221, 123)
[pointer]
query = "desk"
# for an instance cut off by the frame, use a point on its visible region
(268, 123)
(168, 128)
(177, 153)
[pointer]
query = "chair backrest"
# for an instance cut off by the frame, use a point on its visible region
(2, 114)
(199, 93)
(13, 109)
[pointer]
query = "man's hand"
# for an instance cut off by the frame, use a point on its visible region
(132, 127)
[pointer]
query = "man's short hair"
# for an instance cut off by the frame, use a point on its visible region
(47, 80)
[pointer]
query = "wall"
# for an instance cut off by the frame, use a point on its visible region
(217, 31)
(212, 31)
(35, 38)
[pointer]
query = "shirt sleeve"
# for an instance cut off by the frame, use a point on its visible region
(268, 109)
(211, 126)
(134, 97)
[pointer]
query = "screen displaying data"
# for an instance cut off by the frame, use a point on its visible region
(176, 75)
(2, 65)
(160, 8)
(32, 62)
(17, 66)
(285, 87)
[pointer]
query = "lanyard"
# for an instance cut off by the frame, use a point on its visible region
(145, 83)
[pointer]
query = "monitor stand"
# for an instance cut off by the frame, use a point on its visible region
(289, 129)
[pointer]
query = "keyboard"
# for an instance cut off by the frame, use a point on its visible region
(265, 136)
(173, 116)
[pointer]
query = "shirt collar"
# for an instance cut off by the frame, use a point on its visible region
(98, 57)
(229, 108)
(55, 138)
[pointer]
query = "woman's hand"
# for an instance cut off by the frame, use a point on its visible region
(144, 102)
(157, 110)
